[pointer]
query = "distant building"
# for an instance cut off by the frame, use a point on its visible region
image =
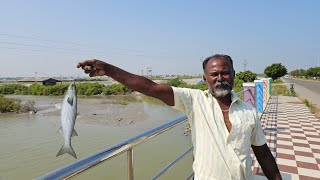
(43, 81)
(50, 82)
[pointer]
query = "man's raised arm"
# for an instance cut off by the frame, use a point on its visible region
(138, 83)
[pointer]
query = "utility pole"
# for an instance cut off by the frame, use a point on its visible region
(244, 65)
(318, 62)
(201, 59)
(149, 71)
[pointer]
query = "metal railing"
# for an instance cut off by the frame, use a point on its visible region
(115, 150)
(172, 164)
(241, 92)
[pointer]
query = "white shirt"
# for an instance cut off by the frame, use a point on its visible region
(219, 154)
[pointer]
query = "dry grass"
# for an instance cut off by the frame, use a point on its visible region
(313, 109)
(280, 89)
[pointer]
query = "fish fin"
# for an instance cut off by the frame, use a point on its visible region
(74, 133)
(79, 115)
(60, 131)
(70, 100)
(67, 149)
(58, 105)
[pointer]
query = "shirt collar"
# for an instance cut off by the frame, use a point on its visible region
(234, 97)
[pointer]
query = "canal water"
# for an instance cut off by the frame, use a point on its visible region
(30, 142)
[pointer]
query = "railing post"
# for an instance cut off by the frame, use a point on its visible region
(130, 164)
(249, 94)
(259, 95)
(265, 92)
(270, 86)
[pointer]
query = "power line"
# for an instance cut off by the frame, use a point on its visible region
(73, 49)
(40, 46)
(61, 42)
(77, 53)
(38, 39)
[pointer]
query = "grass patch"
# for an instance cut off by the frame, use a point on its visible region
(281, 90)
(295, 102)
(277, 81)
(313, 108)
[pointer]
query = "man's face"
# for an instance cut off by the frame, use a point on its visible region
(219, 76)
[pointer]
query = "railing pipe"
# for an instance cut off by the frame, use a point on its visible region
(190, 177)
(97, 158)
(244, 90)
(172, 164)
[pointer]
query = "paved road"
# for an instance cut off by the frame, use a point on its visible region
(306, 89)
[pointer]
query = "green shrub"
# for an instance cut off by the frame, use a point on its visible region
(202, 86)
(247, 76)
(277, 81)
(89, 88)
(9, 104)
(280, 90)
(12, 88)
(116, 89)
(238, 85)
(27, 106)
(176, 82)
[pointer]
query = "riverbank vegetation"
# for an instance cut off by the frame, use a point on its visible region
(86, 89)
(15, 105)
(9, 104)
(89, 89)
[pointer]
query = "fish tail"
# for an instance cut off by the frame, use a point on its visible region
(67, 149)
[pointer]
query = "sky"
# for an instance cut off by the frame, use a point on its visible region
(47, 38)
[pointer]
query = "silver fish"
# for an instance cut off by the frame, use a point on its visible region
(68, 119)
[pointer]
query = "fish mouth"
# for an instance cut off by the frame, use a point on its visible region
(73, 84)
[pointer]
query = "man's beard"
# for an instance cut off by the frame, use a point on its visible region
(221, 89)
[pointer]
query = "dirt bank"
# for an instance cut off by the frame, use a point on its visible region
(100, 111)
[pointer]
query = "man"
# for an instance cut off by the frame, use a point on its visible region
(223, 127)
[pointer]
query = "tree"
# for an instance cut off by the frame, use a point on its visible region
(313, 72)
(247, 76)
(275, 71)
(298, 73)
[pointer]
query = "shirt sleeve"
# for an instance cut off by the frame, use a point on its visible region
(257, 137)
(182, 99)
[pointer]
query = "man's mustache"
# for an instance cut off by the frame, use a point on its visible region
(222, 84)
